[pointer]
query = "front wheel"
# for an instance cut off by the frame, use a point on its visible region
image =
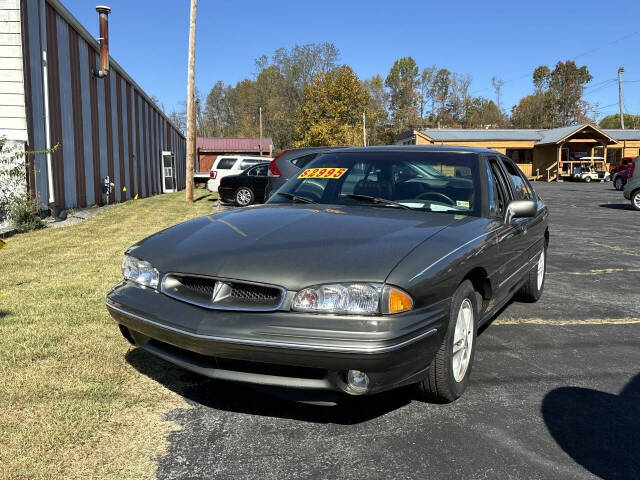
(531, 291)
(635, 200)
(617, 184)
(244, 197)
(587, 179)
(449, 373)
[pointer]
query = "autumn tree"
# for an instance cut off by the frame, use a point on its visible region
(403, 82)
(557, 99)
(331, 113)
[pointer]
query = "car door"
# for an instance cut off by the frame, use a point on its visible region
(257, 177)
(521, 244)
(505, 260)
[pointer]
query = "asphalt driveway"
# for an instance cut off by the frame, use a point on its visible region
(555, 390)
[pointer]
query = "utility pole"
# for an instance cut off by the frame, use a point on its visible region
(260, 131)
(191, 106)
(620, 70)
(364, 130)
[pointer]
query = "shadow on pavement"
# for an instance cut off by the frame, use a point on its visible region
(617, 206)
(600, 431)
(235, 397)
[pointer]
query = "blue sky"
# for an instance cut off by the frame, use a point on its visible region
(507, 39)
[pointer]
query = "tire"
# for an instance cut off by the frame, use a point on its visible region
(448, 377)
(587, 179)
(531, 291)
(635, 200)
(244, 197)
(618, 184)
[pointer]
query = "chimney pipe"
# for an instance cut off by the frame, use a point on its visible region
(103, 15)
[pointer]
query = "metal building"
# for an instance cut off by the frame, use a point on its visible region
(105, 124)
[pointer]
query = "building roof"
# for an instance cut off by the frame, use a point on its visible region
(539, 136)
(222, 144)
(622, 135)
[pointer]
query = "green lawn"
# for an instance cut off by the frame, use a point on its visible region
(70, 404)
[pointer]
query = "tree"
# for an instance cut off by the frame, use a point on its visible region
(402, 82)
(377, 112)
(331, 113)
(481, 113)
(613, 121)
(497, 84)
(562, 88)
(426, 89)
(191, 117)
(534, 111)
(440, 91)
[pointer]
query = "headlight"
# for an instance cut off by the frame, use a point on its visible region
(140, 271)
(352, 298)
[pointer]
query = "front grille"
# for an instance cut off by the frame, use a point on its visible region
(254, 293)
(222, 294)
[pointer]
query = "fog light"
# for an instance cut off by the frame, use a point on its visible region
(358, 381)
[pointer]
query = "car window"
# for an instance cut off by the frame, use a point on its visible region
(259, 171)
(436, 181)
(301, 162)
(226, 163)
(521, 188)
(497, 197)
(247, 162)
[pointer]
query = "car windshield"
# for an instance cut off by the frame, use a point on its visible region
(421, 180)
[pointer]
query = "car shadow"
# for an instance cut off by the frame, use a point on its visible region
(617, 206)
(263, 401)
(600, 431)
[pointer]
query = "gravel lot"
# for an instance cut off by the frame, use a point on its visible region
(555, 390)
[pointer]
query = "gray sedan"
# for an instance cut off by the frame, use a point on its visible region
(371, 269)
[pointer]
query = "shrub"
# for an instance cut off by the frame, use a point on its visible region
(23, 215)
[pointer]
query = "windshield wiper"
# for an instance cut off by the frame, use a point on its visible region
(299, 198)
(377, 200)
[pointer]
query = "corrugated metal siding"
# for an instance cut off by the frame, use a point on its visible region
(105, 126)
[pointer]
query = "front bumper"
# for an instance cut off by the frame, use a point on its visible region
(281, 348)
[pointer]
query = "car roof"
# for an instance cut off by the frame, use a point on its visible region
(417, 148)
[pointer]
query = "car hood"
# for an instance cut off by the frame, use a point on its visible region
(293, 245)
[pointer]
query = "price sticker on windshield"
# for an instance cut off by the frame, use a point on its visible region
(324, 172)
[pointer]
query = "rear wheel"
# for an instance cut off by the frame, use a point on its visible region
(244, 197)
(635, 199)
(531, 291)
(587, 179)
(449, 373)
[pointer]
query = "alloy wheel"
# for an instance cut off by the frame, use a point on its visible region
(636, 200)
(243, 197)
(462, 340)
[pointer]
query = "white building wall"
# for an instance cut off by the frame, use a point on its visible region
(13, 122)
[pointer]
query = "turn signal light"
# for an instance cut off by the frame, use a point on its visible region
(396, 300)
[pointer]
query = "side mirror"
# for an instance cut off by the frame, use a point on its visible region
(519, 209)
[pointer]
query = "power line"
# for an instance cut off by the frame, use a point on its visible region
(617, 40)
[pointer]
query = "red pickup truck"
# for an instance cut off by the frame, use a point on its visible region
(623, 164)
(620, 178)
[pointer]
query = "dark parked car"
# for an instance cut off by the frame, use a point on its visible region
(245, 188)
(622, 177)
(371, 269)
(288, 164)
